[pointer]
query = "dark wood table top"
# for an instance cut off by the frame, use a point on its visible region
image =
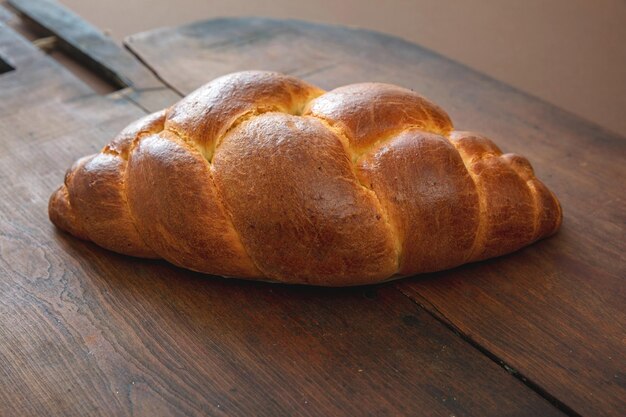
(84, 331)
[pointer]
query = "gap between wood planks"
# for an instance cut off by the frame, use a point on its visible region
(434, 312)
(154, 71)
(5, 66)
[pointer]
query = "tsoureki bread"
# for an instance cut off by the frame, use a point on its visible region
(260, 175)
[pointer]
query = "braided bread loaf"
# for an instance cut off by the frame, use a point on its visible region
(260, 175)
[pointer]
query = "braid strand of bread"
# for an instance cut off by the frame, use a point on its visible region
(260, 175)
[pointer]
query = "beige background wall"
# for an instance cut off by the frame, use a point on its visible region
(569, 52)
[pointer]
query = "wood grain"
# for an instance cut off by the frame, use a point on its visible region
(554, 312)
(84, 331)
(97, 51)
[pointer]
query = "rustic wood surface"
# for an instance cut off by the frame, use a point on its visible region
(554, 313)
(96, 50)
(84, 331)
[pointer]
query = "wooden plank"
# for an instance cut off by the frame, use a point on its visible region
(5, 66)
(30, 63)
(92, 47)
(87, 332)
(553, 312)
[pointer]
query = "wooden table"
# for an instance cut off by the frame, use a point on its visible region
(83, 331)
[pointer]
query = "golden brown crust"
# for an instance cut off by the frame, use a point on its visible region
(123, 142)
(62, 214)
(298, 206)
(430, 198)
(507, 203)
(98, 199)
(183, 220)
(205, 115)
(261, 175)
(370, 112)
